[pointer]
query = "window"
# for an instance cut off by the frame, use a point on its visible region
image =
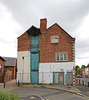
(57, 57)
(6, 68)
(65, 56)
(61, 57)
(0, 67)
(54, 39)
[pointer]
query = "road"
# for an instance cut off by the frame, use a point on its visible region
(84, 90)
(45, 94)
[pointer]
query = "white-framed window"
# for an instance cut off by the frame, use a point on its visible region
(54, 39)
(62, 57)
(0, 67)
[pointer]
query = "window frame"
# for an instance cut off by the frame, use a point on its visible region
(61, 57)
(54, 39)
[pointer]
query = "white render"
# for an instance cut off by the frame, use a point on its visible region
(23, 66)
(46, 70)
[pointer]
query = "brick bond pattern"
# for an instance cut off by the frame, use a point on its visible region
(47, 50)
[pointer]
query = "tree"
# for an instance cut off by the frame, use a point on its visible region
(83, 66)
(76, 67)
(79, 71)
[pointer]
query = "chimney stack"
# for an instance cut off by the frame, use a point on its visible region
(43, 25)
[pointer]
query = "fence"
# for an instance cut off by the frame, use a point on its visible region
(7, 81)
(62, 78)
(1, 77)
(82, 81)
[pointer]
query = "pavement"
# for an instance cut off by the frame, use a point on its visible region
(71, 89)
(11, 85)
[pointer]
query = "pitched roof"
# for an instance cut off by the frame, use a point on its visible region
(9, 61)
(2, 58)
(33, 30)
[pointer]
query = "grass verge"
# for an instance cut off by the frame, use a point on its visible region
(8, 96)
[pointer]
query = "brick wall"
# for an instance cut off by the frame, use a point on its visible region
(11, 69)
(24, 42)
(48, 50)
(2, 71)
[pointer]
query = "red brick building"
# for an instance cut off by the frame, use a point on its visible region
(7, 68)
(10, 65)
(45, 50)
(1, 69)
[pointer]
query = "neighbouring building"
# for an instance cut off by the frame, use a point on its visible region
(85, 77)
(8, 67)
(1, 69)
(45, 55)
(85, 71)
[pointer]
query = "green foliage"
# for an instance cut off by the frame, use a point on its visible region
(51, 84)
(8, 96)
(83, 66)
(79, 71)
(14, 96)
(76, 67)
(4, 95)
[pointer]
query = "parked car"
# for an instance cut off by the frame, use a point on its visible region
(79, 76)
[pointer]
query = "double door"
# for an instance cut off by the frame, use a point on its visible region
(58, 78)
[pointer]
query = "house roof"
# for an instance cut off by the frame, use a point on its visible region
(9, 61)
(2, 58)
(33, 30)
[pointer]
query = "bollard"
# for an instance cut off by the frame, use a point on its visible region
(18, 83)
(88, 84)
(4, 84)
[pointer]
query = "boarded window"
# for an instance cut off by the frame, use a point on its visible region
(54, 39)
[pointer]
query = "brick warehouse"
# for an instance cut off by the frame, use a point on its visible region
(45, 54)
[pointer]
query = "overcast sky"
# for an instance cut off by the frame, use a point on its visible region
(16, 16)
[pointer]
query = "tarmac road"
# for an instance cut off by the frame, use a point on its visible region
(84, 90)
(45, 94)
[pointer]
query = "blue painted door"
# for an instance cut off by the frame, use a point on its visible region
(34, 59)
(58, 78)
(61, 78)
(34, 77)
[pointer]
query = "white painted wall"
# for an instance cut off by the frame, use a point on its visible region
(46, 70)
(23, 66)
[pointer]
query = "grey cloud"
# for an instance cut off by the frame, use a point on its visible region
(68, 13)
